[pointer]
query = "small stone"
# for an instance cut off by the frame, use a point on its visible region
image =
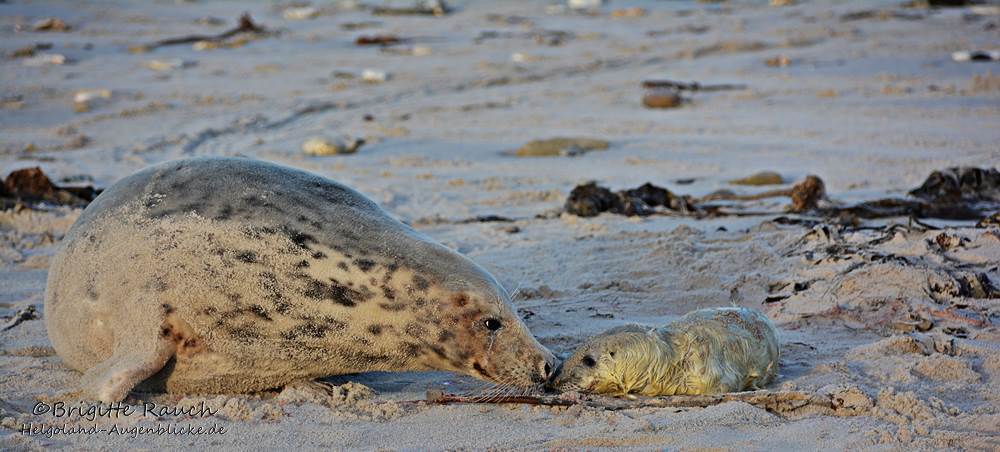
(510, 229)
(634, 11)
(521, 57)
(778, 61)
(420, 51)
(168, 65)
(761, 178)
(374, 76)
(662, 98)
(45, 59)
(301, 13)
(89, 95)
(561, 146)
(204, 45)
(319, 146)
(210, 21)
(584, 4)
(50, 24)
(86, 99)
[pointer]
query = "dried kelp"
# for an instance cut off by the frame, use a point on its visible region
(31, 187)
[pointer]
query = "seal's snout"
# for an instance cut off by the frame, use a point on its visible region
(547, 368)
(553, 381)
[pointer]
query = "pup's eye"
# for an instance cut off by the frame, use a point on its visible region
(492, 324)
(589, 361)
(612, 354)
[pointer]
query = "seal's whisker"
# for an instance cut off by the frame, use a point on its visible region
(482, 387)
(497, 389)
(487, 395)
(503, 388)
(517, 290)
(481, 392)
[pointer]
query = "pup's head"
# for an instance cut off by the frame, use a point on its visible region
(616, 362)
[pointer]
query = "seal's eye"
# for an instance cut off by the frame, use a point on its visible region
(492, 324)
(589, 361)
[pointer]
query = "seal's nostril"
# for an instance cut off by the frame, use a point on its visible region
(548, 371)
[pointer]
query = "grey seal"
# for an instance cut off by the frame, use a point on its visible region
(220, 275)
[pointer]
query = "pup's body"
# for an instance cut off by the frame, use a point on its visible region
(708, 351)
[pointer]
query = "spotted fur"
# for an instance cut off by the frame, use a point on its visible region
(231, 275)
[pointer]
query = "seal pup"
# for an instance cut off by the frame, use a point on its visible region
(707, 351)
(219, 275)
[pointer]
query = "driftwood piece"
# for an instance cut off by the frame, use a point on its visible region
(805, 194)
(779, 402)
(690, 86)
(440, 397)
(244, 25)
(28, 313)
(424, 8)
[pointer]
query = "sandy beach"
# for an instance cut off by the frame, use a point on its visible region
(892, 320)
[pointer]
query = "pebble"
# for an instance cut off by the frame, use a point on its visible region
(560, 146)
(761, 178)
(301, 13)
(50, 24)
(420, 51)
(634, 11)
(778, 61)
(374, 76)
(168, 65)
(210, 21)
(86, 99)
(204, 45)
(408, 51)
(521, 57)
(662, 98)
(320, 146)
(45, 59)
(584, 4)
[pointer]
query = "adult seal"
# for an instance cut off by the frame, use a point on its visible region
(218, 275)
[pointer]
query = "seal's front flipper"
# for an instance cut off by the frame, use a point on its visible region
(112, 379)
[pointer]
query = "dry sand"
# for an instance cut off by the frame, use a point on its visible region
(870, 102)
